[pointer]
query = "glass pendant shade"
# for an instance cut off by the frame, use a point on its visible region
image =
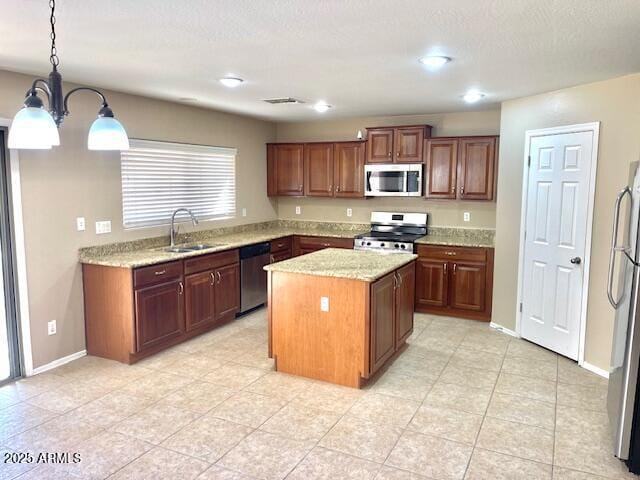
(107, 133)
(33, 128)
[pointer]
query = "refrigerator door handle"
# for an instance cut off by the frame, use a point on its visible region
(615, 248)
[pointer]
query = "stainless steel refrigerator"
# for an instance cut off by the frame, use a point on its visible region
(623, 292)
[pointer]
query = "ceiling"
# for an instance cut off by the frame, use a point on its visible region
(360, 56)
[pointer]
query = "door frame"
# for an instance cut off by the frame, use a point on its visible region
(19, 258)
(594, 128)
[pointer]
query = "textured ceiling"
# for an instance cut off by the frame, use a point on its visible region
(360, 56)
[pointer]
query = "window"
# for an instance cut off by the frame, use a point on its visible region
(158, 177)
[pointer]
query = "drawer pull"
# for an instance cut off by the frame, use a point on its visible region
(213, 280)
(160, 272)
(180, 288)
(326, 244)
(451, 254)
(445, 268)
(272, 259)
(455, 267)
(219, 275)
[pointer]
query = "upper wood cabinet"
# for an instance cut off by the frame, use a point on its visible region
(348, 169)
(285, 169)
(318, 169)
(396, 144)
(461, 167)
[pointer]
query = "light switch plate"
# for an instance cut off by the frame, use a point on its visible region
(103, 226)
(349, 212)
(52, 327)
(324, 304)
(466, 216)
(80, 224)
(298, 210)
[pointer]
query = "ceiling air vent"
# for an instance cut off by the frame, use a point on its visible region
(285, 100)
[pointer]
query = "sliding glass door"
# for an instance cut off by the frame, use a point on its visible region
(9, 344)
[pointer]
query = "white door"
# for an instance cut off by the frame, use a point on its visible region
(556, 224)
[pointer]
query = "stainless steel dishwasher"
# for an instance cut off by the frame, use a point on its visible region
(253, 278)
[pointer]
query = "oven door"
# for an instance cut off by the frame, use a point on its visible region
(393, 180)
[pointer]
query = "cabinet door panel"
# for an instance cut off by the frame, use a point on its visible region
(380, 145)
(318, 169)
(405, 300)
(289, 169)
(349, 169)
(468, 286)
(382, 321)
(408, 144)
(280, 256)
(442, 158)
(159, 314)
(227, 291)
(199, 299)
(476, 164)
(431, 282)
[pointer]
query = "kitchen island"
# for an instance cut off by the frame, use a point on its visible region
(340, 315)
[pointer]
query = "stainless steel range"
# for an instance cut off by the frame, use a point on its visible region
(393, 232)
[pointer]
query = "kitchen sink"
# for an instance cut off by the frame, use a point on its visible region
(191, 247)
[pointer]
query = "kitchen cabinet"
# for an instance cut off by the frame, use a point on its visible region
(348, 169)
(318, 169)
(227, 291)
(159, 314)
(199, 299)
(404, 303)
(454, 281)
(303, 245)
(396, 144)
(285, 169)
(461, 168)
(383, 300)
(281, 249)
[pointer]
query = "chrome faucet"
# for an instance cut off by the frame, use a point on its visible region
(173, 221)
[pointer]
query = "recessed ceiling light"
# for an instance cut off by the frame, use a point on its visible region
(231, 82)
(321, 107)
(472, 97)
(434, 61)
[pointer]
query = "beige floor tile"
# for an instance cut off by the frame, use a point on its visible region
(323, 464)
(265, 455)
(524, 349)
(430, 456)
(156, 385)
(446, 423)
(468, 357)
(585, 396)
(390, 473)
(257, 358)
(49, 472)
(519, 440)
(569, 372)
(491, 342)
(560, 473)
(535, 388)
(162, 360)
(581, 422)
(32, 386)
(301, 423)
(248, 408)
(198, 397)
(327, 396)
(21, 417)
(209, 438)
(7, 400)
(156, 423)
(193, 365)
(161, 464)
(522, 410)
(218, 473)
(385, 409)
(468, 377)
(396, 385)
(110, 409)
(280, 385)
(418, 362)
(546, 370)
(362, 438)
(487, 465)
(233, 375)
(68, 397)
(459, 397)
(15, 466)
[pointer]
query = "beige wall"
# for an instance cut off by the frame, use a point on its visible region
(616, 105)
(70, 181)
(443, 213)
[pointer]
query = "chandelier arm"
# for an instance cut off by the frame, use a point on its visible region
(97, 92)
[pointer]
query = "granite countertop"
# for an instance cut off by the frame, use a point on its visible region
(455, 241)
(343, 263)
(140, 257)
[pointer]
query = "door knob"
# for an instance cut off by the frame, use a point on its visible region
(576, 260)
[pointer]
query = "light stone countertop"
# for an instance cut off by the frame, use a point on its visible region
(343, 263)
(456, 241)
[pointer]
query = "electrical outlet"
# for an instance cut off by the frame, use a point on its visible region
(298, 210)
(103, 227)
(349, 212)
(80, 224)
(324, 304)
(244, 212)
(467, 216)
(52, 327)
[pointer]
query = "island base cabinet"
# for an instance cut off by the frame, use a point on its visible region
(383, 301)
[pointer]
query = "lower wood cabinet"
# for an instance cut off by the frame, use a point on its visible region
(303, 245)
(159, 314)
(455, 281)
(281, 249)
(227, 291)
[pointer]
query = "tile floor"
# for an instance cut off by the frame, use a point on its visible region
(462, 402)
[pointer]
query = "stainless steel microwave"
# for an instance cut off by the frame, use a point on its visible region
(396, 180)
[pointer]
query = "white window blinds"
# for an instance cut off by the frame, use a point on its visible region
(158, 177)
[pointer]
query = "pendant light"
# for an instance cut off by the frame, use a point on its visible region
(33, 127)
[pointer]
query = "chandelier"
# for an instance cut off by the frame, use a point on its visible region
(33, 127)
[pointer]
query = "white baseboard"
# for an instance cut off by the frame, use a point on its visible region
(504, 330)
(58, 362)
(594, 369)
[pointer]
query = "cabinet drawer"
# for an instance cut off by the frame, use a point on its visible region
(160, 273)
(281, 244)
(473, 254)
(211, 261)
(317, 243)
